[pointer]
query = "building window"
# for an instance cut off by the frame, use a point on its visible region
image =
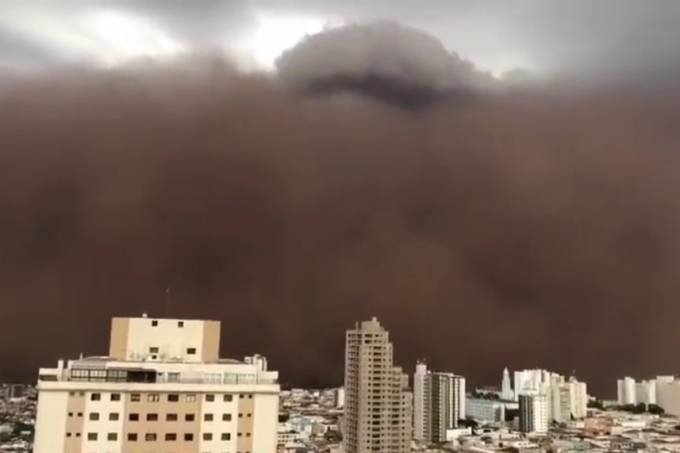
(113, 416)
(188, 437)
(80, 414)
(112, 437)
(250, 397)
(133, 417)
(173, 397)
(95, 397)
(191, 351)
(153, 397)
(208, 417)
(150, 437)
(154, 323)
(132, 437)
(153, 350)
(70, 414)
(207, 436)
(210, 398)
(226, 436)
(226, 417)
(170, 436)
(189, 417)
(151, 417)
(171, 417)
(180, 323)
(135, 397)
(115, 397)
(249, 415)
(94, 416)
(91, 436)
(173, 377)
(247, 434)
(240, 415)
(68, 434)
(191, 398)
(227, 398)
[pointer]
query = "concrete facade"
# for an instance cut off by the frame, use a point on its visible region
(378, 405)
(163, 390)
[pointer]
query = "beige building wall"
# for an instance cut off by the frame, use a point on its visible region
(153, 339)
(265, 414)
(51, 423)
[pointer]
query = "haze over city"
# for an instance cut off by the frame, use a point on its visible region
(496, 181)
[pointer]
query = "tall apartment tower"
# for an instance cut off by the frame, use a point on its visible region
(163, 388)
(438, 401)
(378, 405)
(533, 413)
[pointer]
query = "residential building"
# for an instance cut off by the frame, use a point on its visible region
(162, 387)
(506, 386)
(533, 413)
(378, 405)
(668, 395)
(439, 402)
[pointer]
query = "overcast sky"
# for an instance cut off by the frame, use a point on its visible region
(600, 37)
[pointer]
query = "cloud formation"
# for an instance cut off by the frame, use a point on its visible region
(537, 227)
(383, 60)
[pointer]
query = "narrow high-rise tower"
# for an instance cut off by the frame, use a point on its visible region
(378, 405)
(438, 401)
(506, 387)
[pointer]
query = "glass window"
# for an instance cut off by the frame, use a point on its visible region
(226, 417)
(208, 417)
(133, 417)
(114, 416)
(112, 436)
(95, 397)
(132, 437)
(190, 398)
(173, 397)
(115, 397)
(151, 417)
(189, 417)
(94, 416)
(135, 397)
(150, 437)
(207, 436)
(171, 417)
(226, 436)
(180, 323)
(153, 397)
(170, 436)
(228, 398)
(188, 436)
(210, 398)
(91, 436)
(191, 351)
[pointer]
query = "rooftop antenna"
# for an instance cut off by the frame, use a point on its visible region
(168, 300)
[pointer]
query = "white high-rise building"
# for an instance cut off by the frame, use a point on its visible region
(506, 386)
(533, 413)
(564, 399)
(340, 397)
(626, 390)
(668, 395)
(439, 402)
(421, 404)
(162, 387)
(378, 405)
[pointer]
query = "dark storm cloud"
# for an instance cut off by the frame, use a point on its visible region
(532, 228)
(383, 60)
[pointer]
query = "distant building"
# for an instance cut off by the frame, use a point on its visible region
(626, 391)
(533, 413)
(162, 387)
(439, 402)
(565, 399)
(340, 397)
(487, 410)
(378, 405)
(506, 386)
(668, 396)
